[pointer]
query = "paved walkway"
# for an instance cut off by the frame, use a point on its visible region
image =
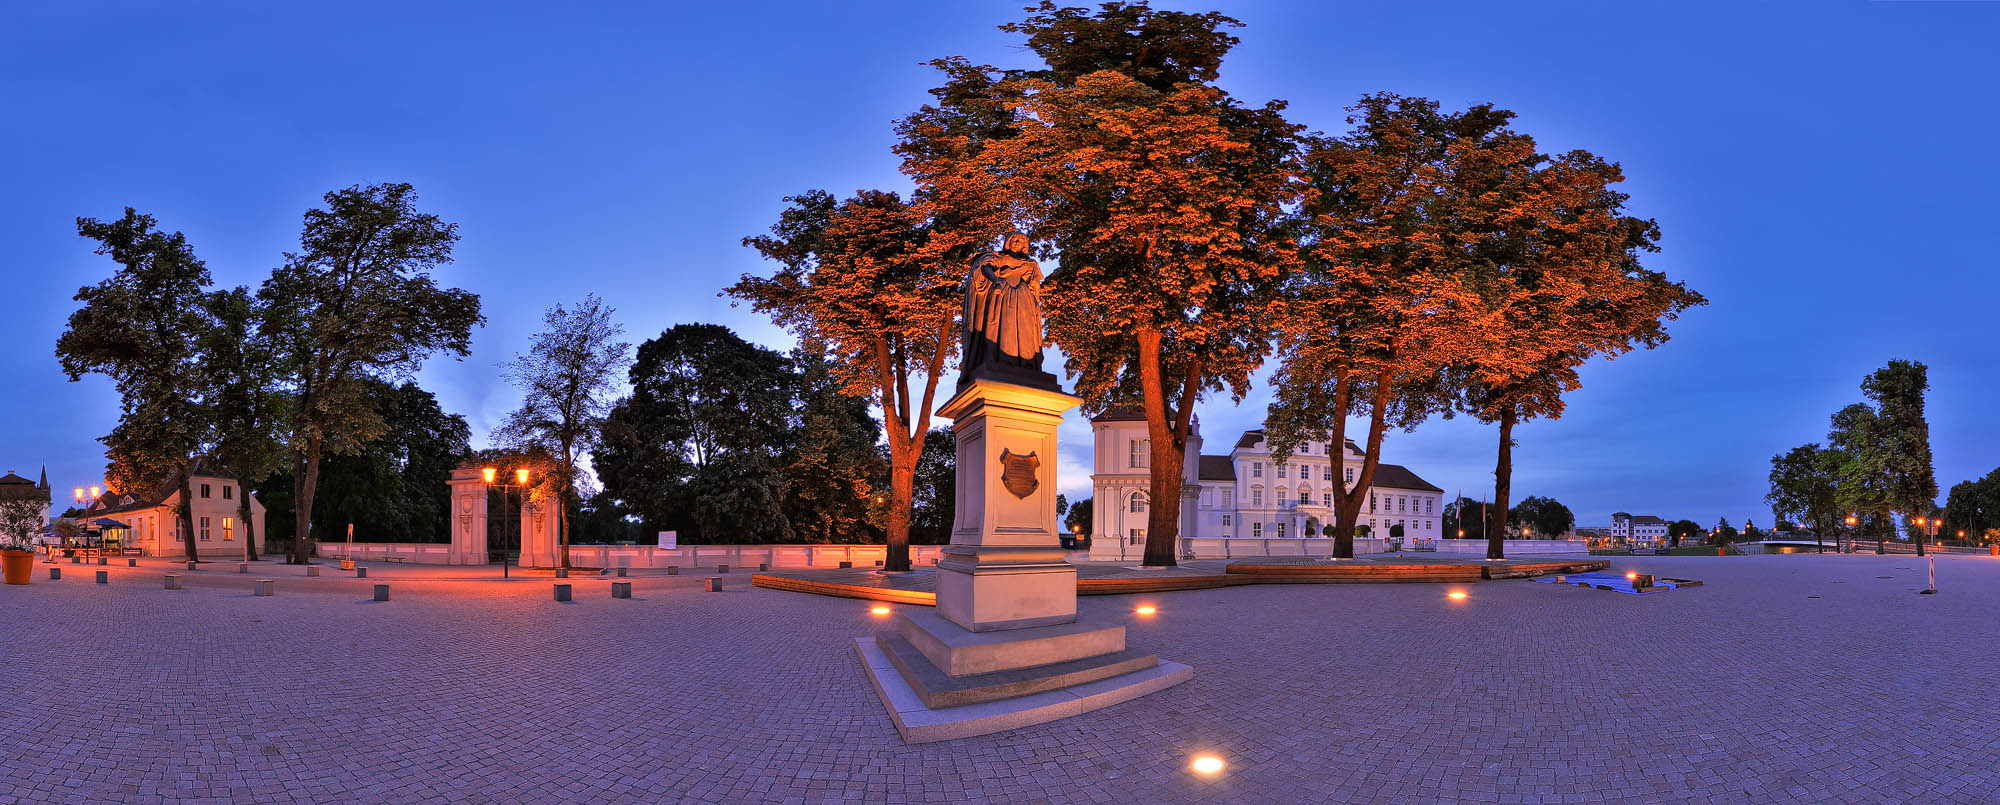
(1785, 679)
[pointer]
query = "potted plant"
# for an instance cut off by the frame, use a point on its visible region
(20, 521)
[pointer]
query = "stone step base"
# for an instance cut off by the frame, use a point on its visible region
(961, 652)
(917, 723)
(938, 689)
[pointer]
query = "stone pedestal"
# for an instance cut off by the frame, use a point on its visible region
(1004, 647)
(538, 536)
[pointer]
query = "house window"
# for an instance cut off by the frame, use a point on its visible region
(1228, 498)
(228, 492)
(1430, 505)
(1138, 503)
(228, 527)
(1402, 503)
(1225, 521)
(1256, 530)
(1256, 469)
(1137, 536)
(1141, 453)
(204, 529)
(204, 490)
(1371, 501)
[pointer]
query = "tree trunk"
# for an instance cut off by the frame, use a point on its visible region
(305, 480)
(243, 516)
(1503, 473)
(1348, 512)
(902, 488)
(186, 515)
(1166, 432)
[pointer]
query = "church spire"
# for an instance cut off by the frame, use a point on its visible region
(44, 485)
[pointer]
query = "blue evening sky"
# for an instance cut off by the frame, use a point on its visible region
(1825, 172)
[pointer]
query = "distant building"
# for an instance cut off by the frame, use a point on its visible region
(147, 521)
(15, 487)
(1246, 493)
(1643, 530)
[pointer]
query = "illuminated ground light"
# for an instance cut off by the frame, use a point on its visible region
(1147, 609)
(1634, 576)
(1456, 595)
(879, 610)
(1206, 765)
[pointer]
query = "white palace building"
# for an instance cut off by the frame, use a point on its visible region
(1246, 494)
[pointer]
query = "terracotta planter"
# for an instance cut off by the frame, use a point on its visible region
(19, 565)
(1721, 552)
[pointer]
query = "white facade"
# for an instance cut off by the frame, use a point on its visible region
(152, 527)
(1644, 529)
(1247, 493)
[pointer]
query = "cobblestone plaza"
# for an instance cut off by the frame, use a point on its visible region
(1784, 679)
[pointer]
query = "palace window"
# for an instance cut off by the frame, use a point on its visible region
(1225, 521)
(1371, 501)
(204, 529)
(1326, 473)
(1326, 498)
(1256, 469)
(1350, 475)
(1257, 496)
(1256, 530)
(1305, 496)
(1138, 503)
(1141, 453)
(1228, 498)
(1281, 531)
(228, 527)
(1281, 470)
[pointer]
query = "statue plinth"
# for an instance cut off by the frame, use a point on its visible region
(1005, 567)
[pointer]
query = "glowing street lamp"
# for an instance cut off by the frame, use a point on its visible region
(521, 477)
(489, 474)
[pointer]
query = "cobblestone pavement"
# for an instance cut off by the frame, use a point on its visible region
(1786, 678)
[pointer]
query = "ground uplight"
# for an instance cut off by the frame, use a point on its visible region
(1456, 595)
(1207, 765)
(1147, 609)
(880, 610)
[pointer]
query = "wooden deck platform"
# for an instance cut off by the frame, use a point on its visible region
(919, 587)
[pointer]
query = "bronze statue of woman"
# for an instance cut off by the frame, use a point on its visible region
(1003, 308)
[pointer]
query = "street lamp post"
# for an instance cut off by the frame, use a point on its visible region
(491, 475)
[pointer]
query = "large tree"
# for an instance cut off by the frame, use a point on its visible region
(567, 378)
(1391, 292)
(394, 487)
(1805, 487)
(357, 301)
(858, 277)
(1974, 506)
(696, 445)
(1545, 516)
(831, 460)
(143, 328)
(238, 373)
(1164, 199)
(1897, 389)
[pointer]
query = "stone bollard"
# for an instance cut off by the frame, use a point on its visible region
(361, 572)
(673, 570)
(621, 572)
(722, 568)
(763, 567)
(104, 560)
(381, 592)
(714, 585)
(562, 592)
(75, 560)
(878, 563)
(346, 564)
(55, 574)
(173, 581)
(621, 589)
(242, 567)
(267, 587)
(846, 565)
(103, 577)
(312, 570)
(191, 566)
(131, 562)
(562, 572)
